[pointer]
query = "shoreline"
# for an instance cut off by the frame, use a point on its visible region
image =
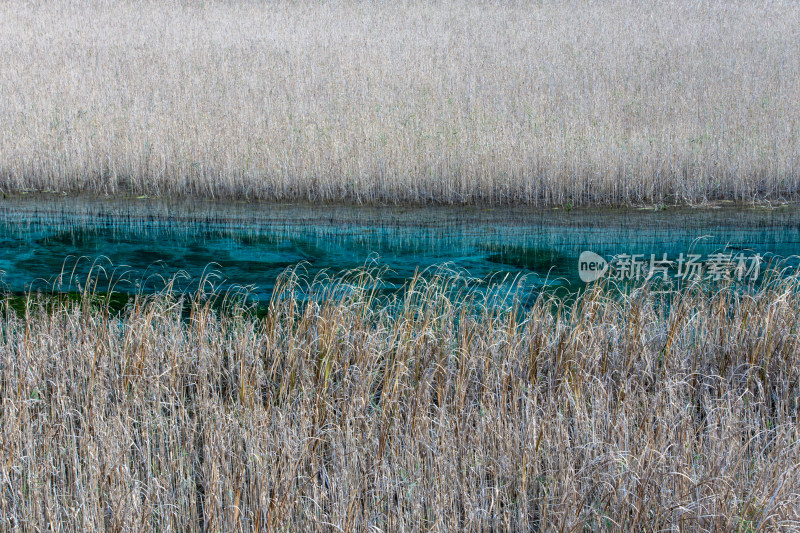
(760, 203)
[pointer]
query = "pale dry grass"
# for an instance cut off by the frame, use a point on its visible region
(606, 413)
(513, 102)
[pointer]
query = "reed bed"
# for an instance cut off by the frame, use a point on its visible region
(430, 411)
(457, 102)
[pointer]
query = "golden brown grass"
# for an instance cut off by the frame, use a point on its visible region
(600, 413)
(473, 102)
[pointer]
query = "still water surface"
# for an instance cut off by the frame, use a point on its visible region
(251, 245)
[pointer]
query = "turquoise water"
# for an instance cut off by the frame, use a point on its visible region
(144, 242)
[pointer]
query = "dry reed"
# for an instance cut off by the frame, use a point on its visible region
(540, 103)
(436, 413)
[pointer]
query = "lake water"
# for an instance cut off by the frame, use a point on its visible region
(250, 245)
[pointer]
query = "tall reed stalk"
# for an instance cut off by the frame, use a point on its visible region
(430, 412)
(545, 103)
